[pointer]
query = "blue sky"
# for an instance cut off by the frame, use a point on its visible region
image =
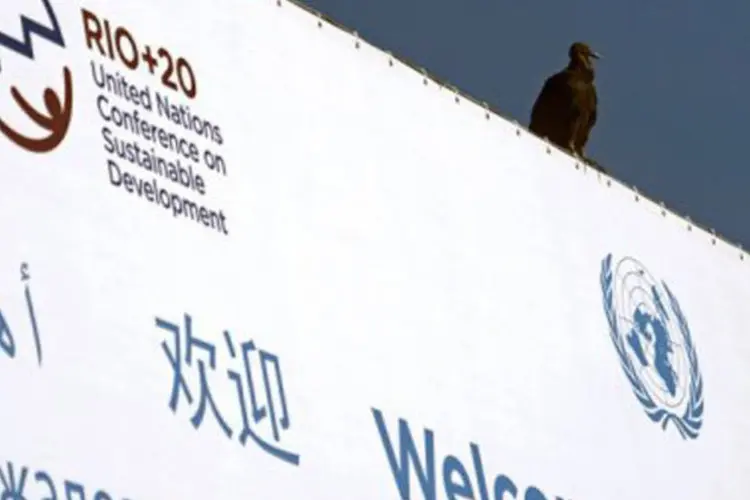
(672, 84)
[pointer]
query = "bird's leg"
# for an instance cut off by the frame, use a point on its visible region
(574, 134)
(572, 149)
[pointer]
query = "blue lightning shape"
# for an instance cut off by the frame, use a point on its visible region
(31, 27)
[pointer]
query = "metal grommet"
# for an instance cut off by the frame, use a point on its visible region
(549, 151)
(609, 183)
(518, 132)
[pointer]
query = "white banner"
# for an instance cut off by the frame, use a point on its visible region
(248, 256)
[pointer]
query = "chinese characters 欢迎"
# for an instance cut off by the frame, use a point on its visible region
(261, 400)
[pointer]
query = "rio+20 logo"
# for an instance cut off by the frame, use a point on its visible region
(55, 119)
(653, 342)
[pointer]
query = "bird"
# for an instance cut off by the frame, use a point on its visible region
(565, 111)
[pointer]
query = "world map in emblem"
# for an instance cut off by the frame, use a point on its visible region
(654, 345)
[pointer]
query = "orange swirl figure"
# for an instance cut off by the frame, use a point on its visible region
(56, 121)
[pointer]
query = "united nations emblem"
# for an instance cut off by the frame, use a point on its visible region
(652, 339)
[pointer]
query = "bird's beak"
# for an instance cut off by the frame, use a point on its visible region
(596, 55)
